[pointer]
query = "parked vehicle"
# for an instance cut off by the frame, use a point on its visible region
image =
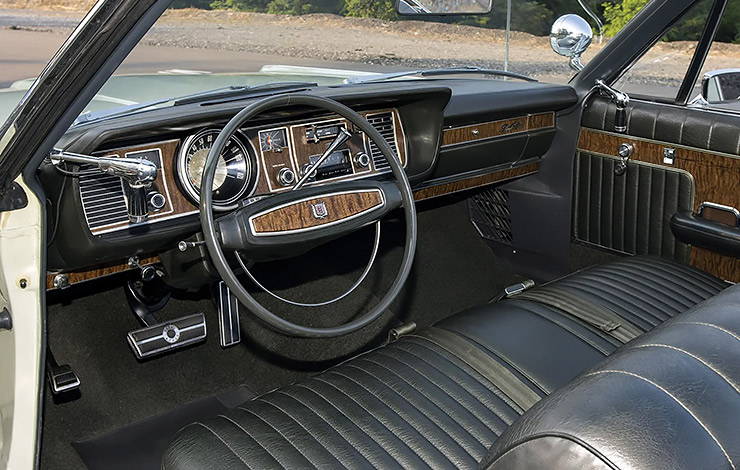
(720, 87)
(408, 267)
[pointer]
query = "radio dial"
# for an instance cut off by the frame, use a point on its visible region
(286, 177)
(305, 168)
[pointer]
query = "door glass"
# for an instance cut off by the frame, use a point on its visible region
(718, 86)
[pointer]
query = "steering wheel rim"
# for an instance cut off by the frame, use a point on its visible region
(217, 254)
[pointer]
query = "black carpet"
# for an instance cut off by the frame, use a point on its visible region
(454, 269)
(141, 445)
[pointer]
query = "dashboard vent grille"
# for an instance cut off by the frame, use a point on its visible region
(102, 198)
(384, 124)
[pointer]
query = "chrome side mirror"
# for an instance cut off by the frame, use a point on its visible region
(570, 36)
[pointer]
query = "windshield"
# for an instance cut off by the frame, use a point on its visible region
(201, 45)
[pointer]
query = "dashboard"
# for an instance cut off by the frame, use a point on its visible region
(256, 162)
(449, 135)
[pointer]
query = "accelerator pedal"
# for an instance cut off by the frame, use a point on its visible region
(228, 316)
(167, 336)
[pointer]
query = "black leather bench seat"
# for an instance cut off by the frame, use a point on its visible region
(442, 397)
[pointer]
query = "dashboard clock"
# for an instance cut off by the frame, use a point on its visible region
(235, 171)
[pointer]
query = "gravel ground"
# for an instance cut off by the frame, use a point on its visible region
(411, 44)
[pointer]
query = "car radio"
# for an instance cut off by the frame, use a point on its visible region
(336, 164)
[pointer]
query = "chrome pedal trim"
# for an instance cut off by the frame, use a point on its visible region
(63, 379)
(167, 336)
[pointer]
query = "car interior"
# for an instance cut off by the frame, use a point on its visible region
(445, 273)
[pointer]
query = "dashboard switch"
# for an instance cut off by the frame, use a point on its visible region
(286, 176)
(362, 159)
(156, 201)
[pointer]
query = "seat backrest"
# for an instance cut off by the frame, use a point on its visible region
(668, 400)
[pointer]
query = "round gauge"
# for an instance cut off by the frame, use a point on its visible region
(274, 140)
(233, 170)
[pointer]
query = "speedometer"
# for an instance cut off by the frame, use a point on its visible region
(234, 170)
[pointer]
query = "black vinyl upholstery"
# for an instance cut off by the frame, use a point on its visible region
(440, 398)
(630, 213)
(670, 399)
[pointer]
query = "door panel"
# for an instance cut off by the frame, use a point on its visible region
(707, 149)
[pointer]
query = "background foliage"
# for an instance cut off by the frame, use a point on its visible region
(531, 16)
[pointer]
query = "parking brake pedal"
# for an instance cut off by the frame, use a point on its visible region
(62, 378)
(228, 316)
(167, 336)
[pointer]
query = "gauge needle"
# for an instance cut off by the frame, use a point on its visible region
(343, 136)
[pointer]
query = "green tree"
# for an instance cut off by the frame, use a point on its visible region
(617, 15)
(383, 9)
(243, 5)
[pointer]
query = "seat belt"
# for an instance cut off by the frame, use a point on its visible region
(596, 315)
(471, 354)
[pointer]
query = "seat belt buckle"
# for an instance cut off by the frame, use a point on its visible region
(518, 288)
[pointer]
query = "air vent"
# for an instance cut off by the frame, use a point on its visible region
(384, 124)
(102, 199)
(489, 212)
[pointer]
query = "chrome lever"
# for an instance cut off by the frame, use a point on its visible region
(138, 173)
(620, 99)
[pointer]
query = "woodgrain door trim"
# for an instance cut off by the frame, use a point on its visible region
(715, 176)
(351, 215)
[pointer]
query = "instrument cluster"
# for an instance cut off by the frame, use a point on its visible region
(255, 162)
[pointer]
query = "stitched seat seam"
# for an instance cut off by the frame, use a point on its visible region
(369, 413)
(439, 387)
(695, 357)
(402, 417)
(662, 389)
(433, 402)
(331, 425)
(228, 446)
(485, 382)
(263, 400)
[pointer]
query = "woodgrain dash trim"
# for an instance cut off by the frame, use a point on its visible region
(81, 276)
(475, 181)
(298, 216)
(500, 128)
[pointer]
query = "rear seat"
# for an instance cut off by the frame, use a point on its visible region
(442, 397)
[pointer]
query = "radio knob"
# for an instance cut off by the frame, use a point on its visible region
(286, 176)
(155, 200)
(305, 168)
(363, 159)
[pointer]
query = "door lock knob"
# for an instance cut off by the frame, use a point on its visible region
(625, 151)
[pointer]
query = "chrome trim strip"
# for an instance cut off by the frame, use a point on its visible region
(315, 227)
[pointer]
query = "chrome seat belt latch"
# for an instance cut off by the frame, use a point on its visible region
(518, 288)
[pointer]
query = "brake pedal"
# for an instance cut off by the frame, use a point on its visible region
(167, 336)
(228, 316)
(62, 378)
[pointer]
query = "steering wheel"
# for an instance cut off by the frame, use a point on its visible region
(291, 221)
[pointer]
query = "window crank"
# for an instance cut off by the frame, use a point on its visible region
(625, 151)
